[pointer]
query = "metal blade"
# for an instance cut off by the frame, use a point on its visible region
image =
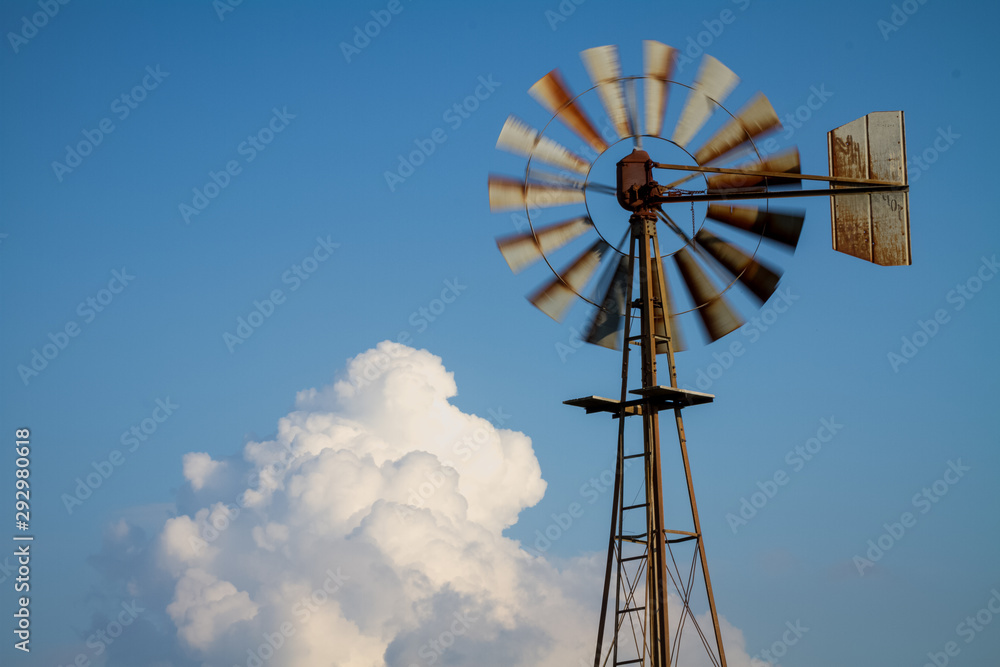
(605, 71)
(556, 296)
(716, 314)
(754, 119)
(521, 250)
(760, 279)
(662, 298)
(783, 227)
(787, 162)
(519, 138)
(608, 321)
(713, 84)
(510, 193)
(658, 62)
(552, 93)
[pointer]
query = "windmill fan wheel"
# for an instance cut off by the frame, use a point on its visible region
(598, 271)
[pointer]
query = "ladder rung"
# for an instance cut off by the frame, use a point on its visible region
(632, 507)
(629, 662)
(625, 560)
(633, 538)
(630, 610)
(634, 456)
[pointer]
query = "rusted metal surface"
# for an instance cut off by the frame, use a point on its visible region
(605, 71)
(553, 94)
(521, 139)
(658, 63)
(850, 215)
(712, 84)
(753, 120)
(890, 211)
(874, 226)
(555, 297)
(521, 250)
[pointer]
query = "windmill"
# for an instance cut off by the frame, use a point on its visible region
(724, 265)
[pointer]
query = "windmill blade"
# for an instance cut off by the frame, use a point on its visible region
(521, 250)
(759, 278)
(552, 93)
(608, 321)
(519, 138)
(786, 161)
(783, 227)
(754, 119)
(556, 296)
(713, 84)
(658, 63)
(716, 314)
(663, 300)
(605, 70)
(510, 193)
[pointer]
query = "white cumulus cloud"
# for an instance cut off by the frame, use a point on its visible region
(369, 533)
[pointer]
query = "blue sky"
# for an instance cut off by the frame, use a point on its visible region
(305, 209)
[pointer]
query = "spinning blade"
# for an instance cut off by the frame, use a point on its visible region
(608, 321)
(712, 85)
(519, 138)
(521, 250)
(781, 227)
(716, 314)
(760, 279)
(605, 71)
(552, 93)
(509, 193)
(658, 61)
(556, 296)
(754, 119)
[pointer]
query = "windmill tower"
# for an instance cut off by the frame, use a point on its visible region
(649, 591)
